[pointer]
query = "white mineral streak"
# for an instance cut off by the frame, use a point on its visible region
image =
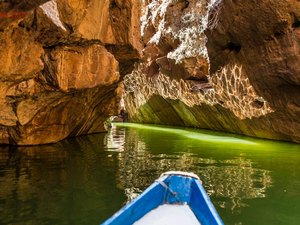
(191, 32)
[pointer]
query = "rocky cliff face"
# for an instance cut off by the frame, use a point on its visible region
(222, 65)
(215, 64)
(61, 62)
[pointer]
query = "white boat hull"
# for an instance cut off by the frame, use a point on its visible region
(169, 215)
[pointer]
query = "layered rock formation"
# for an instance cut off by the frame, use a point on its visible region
(61, 62)
(222, 65)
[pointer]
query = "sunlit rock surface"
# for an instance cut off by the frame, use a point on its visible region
(222, 65)
(214, 64)
(60, 66)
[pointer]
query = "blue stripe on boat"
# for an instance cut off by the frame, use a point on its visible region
(169, 189)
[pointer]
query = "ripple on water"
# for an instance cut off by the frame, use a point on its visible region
(84, 180)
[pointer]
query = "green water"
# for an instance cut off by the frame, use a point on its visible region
(84, 180)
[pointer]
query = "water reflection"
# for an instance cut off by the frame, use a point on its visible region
(229, 179)
(84, 180)
(245, 177)
(58, 184)
(115, 140)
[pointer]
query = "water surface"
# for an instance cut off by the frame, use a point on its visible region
(86, 179)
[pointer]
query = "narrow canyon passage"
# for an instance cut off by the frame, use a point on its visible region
(100, 97)
(229, 66)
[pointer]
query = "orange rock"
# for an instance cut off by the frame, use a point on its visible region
(88, 19)
(61, 64)
(84, 67)
(20, 55)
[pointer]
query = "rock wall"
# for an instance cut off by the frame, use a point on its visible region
(61, 63)
(223, 65)
(215, 64)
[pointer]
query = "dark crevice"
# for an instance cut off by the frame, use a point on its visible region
(126, 55)
(280, 29)
(34, 24)
(234, 47)
(278, 34)
(114, 4)
(296, 22)
(69, 27)
(79, 42)
(258, 103)
(186, 4)
(200, 79)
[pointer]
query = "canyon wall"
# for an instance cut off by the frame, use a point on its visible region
(61, 63)
(226, 65)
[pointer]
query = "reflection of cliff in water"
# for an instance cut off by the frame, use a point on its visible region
(64, 183)
(235, 179)
(22, 175)
(86, 179)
